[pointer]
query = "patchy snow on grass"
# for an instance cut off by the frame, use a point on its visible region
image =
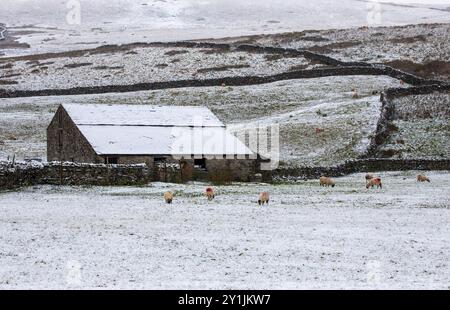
(417, 43)
(421, 127)
(307, 237)
(143, 65)
(419, 139)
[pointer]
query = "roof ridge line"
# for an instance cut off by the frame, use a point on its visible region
(141, 125)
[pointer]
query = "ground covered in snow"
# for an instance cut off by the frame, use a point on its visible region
(118, 66)
(422, 49)
(420, 127)
(55, 25)
(308, 237)
(297, 106)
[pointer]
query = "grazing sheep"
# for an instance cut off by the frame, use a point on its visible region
(263, 198)
(324, 181)
(168, 197)
(374, 182)
(422, 178)
(210, 193)
(355, 95)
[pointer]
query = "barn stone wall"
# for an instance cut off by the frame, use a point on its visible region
(360, 165)
(232, 169)
(129, 160)
(69, 173)
(17, 175)
(74, 146)
(217, 170)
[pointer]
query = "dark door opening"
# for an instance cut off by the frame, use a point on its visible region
(111, 160)
(158, 160)
(200, 163)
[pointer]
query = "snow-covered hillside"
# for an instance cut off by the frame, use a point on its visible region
(55, 25)
(142, 65)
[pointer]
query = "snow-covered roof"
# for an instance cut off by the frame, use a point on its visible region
(134, 140)
(154, 130)
(142, 115)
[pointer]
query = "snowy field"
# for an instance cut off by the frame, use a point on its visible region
(56, 25)
(141, 65)
(417, 43)
(308, 237)
(418, 49)
(420, 128)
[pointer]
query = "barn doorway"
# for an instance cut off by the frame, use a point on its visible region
(111, 160)
(200, 163)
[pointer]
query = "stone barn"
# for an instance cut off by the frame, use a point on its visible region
(190, 138)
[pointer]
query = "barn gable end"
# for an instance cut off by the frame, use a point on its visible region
(65, 142)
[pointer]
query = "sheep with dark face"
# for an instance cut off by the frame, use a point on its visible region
(324, 181)
(368, 177)
(263, 198)
(210, 193)
(422, 178)
(374, 182)
(168, 197)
